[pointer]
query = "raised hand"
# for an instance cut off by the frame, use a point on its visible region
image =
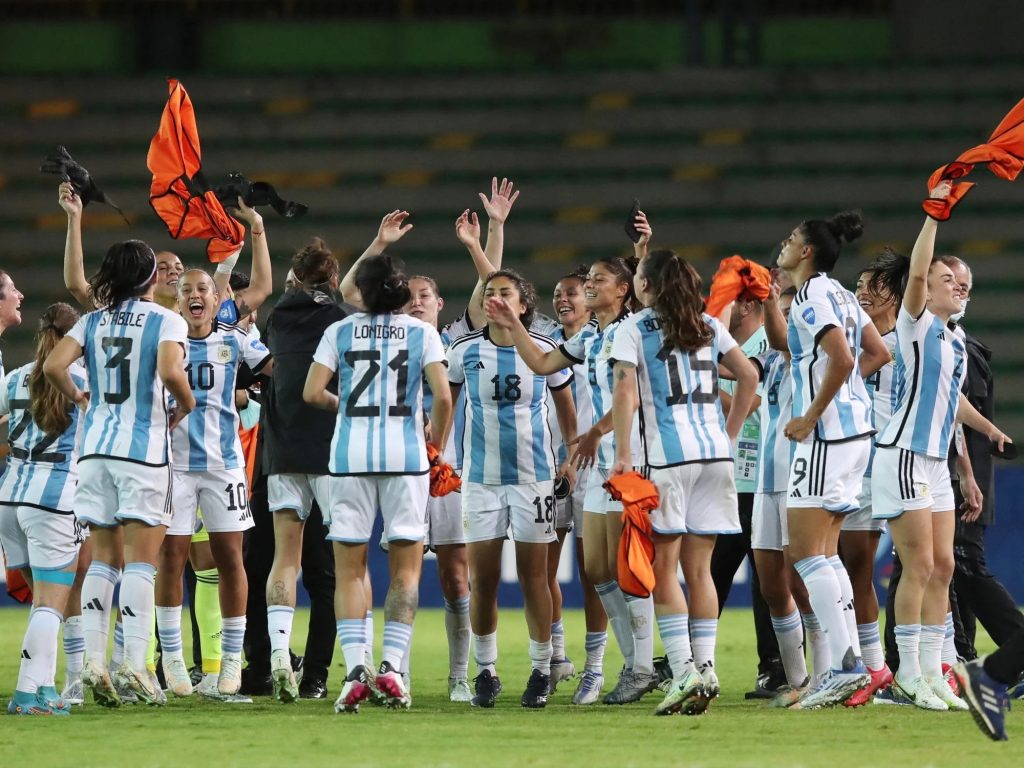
(644, 228)
(941, 190)
(69, 199)
(501, 201)
(499, 312)
(246, 214)
(467, 228)
(393, 227)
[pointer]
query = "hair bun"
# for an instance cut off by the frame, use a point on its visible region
(847, 225)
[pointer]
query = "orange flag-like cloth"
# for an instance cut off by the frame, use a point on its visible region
(443, 479)
(17, 587)
(737, 277)
(636, 547)
(180, 194)
(1003, 153)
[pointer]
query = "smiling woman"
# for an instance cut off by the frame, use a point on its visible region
(10, 308)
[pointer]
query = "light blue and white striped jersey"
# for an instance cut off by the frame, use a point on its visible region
(820, 304)
(776, 409)
(580, 396)
(507, 440)
(592, 351)
(208, 438)
(380, 360)
(42, 469)
(127, 413)
(748, 441)
(931, 362)
(881, 386)
(682, 420)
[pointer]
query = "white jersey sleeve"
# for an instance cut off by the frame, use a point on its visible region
(327, 351)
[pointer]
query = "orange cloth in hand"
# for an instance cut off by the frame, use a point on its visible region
(1003, 152)
(636, 548)
(738, 277)
(443, 479)
(179, 193)
(17, 587)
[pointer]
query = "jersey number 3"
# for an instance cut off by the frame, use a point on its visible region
(118, 348)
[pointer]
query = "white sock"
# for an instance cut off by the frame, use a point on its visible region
(595, 645)
(485, 652)
(117, 657)
(846, 596)
(39, 650)
(557, 640)
(232, 633)
(368, 652)
(540, 656)
(821, 658)
(74, 646)
(168, 627)
(908, 640)
(825, 596)
(279, 625)
(614, 602)
(675, 636)
(702, 641)
(352, 639)
(97, 596)
(790, 634)
(949, 643)
(871, 645)
(930, 650)
(641, 621)
(136, 600)
(456, 626)
(396, 640)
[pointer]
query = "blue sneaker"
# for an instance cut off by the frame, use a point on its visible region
(54, 700)
(890, 696)
(986, 698)
(28, 704)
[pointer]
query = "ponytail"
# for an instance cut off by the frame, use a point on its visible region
(50, 409)
(827, 237)
(382, 285)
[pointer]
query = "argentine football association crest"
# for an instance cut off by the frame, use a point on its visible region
(922, 490)
(223, 354)
(808, 315)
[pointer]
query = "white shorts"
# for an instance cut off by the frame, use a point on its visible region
(38, 538)
(222, 494)
(528, 509)
(697, 498)
(597, 499)
(355, 499)
(902, 481)
(444, 520)
(828, 476)
(862, 520)
(112, 491)
(769, 527)
(297, 492)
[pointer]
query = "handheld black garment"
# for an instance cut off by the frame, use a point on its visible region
(256, 194)
(62, 164)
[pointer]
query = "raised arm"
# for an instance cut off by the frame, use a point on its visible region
(74, 259)
(539, 361)
(467, 230)
(916, 295)
(646, 233)
(489, 258)
(261, 279)
(392, 229)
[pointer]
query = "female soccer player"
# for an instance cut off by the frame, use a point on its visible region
(10, 308)
(38, 529)
(910, 484)
(508, 480)
(378, 461)
(132, 349)
(831, 426)
(608, 294)
(668, 354)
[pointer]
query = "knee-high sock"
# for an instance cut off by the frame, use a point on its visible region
(908, 640)
(137, 611)
(352, 639)
(209, 619)
(846, 597)
(485, 652)
(279, 627)
(790, 633)
(614, 602)
(74, 646)
(97, 596)
(396, 641)
(595, 645)
(675, 636)
(703, 633)
(39, 650)
(871, 645)
(930, 649)
(641, 620)
(825, 597)
(456, 626)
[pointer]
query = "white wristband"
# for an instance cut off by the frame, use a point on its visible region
(227, 266)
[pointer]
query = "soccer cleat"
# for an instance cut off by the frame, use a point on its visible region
(138, 683)
(561, 670)
(458, 690)
(945, 694)
(24, 704)
(683, 694)
(177, 676)
(207, 689)
(286, 690)
(710, 691)
(920, 693)
(767, 684)
(97, 679)
(230, 678)
(355, 690)
(377, 698)
(787, 696)
(154, 680)
(880, 678)
(588, 691)
(890, 696)
(632, 686)
(195, 675)
(536, 694)
(54, 701)
(74, 691)
(664, 672)
(835, 687)
(487, 687)
(950, 678)
(392, 685)
(986, 698)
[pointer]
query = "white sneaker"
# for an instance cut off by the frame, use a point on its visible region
(230, 678)
(96, 678)
(207, 687)
(459, 691)
(286, 690)
(561, 669)
(683, 694)
(176, 674)
(588, 690)
(920, 693)
(161, 696)
(139, 683)
(945, 694)
(833, 688)
(74, 691)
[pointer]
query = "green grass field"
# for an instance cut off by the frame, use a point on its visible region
(436, 733)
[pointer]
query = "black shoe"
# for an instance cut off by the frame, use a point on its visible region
(662, 669)
(256, 682)
(767, 685)
(297, 662)
(536, 694)
(312, 686)
(195, 674)
(487, 689)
